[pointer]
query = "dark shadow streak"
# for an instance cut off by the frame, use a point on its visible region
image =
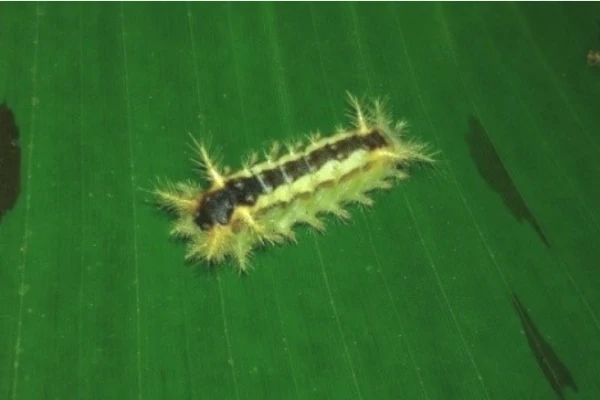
(10, 160)
(492, 170)
(556, 372)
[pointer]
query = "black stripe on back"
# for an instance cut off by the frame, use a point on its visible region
(218, 206)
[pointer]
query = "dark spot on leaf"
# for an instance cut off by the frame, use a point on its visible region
(10, 160)
(555, 371)
(492, 170)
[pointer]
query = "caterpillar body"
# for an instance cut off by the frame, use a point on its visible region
(261, 203)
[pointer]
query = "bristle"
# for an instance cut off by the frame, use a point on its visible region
(380, 115)
(316, 223)
(251, 160)
(188, 189)
(208, 165)
(339, 212)
(361, 198)
(185, 228)
(359, 120)
(211, 169)
(314, 137)
(274, 151)
(293, 146)
(173, 200)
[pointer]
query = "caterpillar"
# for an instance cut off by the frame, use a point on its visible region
(261, 203)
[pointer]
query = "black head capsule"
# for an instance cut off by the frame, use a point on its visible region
(215, 208)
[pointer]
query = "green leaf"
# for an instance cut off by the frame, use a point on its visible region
(413, 298)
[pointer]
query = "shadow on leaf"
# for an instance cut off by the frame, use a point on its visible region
(555, 371)
(492, 170)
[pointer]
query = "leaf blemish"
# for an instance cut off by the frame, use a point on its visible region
(10, 160)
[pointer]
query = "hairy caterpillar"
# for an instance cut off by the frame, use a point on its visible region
(260, 203)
